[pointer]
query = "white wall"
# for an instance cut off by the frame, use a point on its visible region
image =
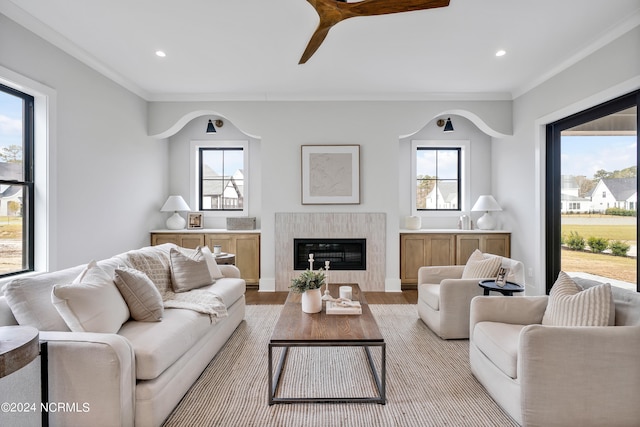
(608, 73)
(283, 127)
(109, 178)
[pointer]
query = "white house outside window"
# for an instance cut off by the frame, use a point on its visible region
(440, 177)
(221, 177)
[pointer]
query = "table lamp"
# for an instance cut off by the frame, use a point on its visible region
(175, 204)
(487, 204)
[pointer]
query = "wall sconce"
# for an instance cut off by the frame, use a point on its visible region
(211, 128)
(448, 126)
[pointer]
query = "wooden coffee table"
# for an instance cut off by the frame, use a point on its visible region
(298, 329)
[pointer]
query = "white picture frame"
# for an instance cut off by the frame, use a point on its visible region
(330, 174)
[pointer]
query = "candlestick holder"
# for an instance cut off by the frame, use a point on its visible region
(327, 296)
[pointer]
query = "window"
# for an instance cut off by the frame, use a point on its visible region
(221, 176)
(438, 178)
(16, 182)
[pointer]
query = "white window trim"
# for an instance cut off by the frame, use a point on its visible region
(465, 174)
(45, 181)
(194, 175)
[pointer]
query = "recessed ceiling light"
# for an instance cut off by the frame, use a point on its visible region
(160, 53)
(501, 52)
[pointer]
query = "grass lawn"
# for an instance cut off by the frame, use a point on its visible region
(614, 267)
(11, 227)
(625, 233)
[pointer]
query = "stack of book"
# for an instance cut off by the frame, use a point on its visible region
(340, 307)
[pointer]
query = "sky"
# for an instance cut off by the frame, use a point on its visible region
(585, 155)
(447, 163)
(10, 120)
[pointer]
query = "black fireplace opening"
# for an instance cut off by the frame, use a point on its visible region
(342, 254)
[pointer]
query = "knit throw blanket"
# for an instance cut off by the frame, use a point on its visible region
(155, 264)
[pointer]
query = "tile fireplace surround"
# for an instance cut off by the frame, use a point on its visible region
(370, 226)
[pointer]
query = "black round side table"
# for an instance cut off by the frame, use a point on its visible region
(508, 289)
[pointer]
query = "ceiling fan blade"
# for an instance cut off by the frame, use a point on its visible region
(316, 40)
(331, 12)
(383, 7)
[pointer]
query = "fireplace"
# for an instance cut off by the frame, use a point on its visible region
(342, 254)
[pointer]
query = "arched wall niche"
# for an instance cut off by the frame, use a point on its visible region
(471, 116)
(469, 130)
(188, 117)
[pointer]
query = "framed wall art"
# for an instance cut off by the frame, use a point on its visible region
(194, 220)
(330, 174)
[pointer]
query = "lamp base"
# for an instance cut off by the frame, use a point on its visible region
(486, 222)
(176, 222)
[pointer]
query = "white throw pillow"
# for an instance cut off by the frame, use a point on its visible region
(189, 269)
(140, 294)
(214, 270)
(569, 305)
(92, 303)
(30, 301)
(479, 267)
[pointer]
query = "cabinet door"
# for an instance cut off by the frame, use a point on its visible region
(224, 240)
(440, 249)
(466, 244)
(191, 241)
(248, 256)
(162, 238)
(498, 244)
(413, 255)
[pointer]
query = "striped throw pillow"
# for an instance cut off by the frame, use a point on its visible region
(569, 305)
(479, 267)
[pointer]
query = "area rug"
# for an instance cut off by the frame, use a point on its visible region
(429, 382)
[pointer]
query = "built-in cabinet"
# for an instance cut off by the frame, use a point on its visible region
(245, 246)
(424, 249)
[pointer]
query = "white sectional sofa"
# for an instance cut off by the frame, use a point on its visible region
(137, 375)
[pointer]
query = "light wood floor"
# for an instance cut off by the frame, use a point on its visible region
(253, 297)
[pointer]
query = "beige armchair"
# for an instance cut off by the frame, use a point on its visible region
(557, 375)
(444, 297)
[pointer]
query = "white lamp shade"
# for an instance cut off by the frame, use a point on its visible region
(486, 203)
(175, 204)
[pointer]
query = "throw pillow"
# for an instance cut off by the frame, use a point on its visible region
(214, 270)
(30, 300)
(91, 303)
(569, 305)
(188, 269)
(140, 294)
(479, 267)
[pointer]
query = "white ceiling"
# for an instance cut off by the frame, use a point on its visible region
(249, 49)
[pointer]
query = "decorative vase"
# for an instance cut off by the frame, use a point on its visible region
(312, 301)
(413, 222)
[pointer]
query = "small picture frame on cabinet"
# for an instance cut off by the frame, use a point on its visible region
(195, 221)
(501, 279)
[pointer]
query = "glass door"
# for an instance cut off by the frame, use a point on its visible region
(592, 206)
